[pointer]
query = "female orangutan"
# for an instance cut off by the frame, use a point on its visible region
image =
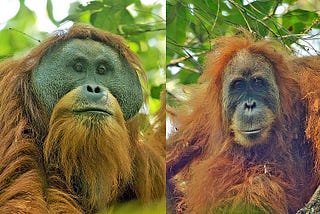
(245, 143)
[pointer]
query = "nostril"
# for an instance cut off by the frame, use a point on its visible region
(89, 89)
(93, 92)
(94, 89)
(253, 104)
(250, 105)
(97, 89)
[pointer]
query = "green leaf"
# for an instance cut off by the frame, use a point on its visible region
(75, 14)
(115, 17)
(297, 21)
(289, 1)
(110, 22)
(260, 8)
(50, 12)
(139, 28)
(205, 5)
(125, 17)
(156, 91)
(176, 23)
(93, 5)
(119, 3)
(187, 77)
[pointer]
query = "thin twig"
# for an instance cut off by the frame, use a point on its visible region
(216, 18)
(273, 11)
(242, 14)
(185, 68)
(175, 62)
(23, 33)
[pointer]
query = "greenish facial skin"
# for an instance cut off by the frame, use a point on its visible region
(80, 62)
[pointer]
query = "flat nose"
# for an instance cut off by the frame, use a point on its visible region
(93, 92)
(250, 105)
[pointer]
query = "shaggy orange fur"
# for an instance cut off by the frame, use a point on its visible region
(66, 163)
(207, 172)
(308, 71)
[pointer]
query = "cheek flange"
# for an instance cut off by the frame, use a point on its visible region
(54, 77)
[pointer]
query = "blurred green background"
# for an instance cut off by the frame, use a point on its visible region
(23, 23)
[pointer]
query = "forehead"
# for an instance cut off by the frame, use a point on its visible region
(245, 64)
(88, 48)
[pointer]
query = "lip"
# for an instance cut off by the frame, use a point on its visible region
(252, 131)
(93, 110)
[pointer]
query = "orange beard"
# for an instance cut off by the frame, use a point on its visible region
(88, 151)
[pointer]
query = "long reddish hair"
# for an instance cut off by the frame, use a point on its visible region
(24, 125)
(308, 71)
(94, 150)
(203, 148)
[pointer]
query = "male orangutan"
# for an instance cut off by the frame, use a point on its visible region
(245, 142)
(70, 140)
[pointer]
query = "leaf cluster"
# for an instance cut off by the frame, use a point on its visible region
(192, 24)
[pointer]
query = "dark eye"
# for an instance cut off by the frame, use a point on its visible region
(238, 84)
(101, 69)
(257, 83)
(78, 67)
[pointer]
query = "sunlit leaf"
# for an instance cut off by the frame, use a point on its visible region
(297, 21)
(93, 5)
(50, 12)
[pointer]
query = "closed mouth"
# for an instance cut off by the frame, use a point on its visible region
(93, 110)
(252, 131)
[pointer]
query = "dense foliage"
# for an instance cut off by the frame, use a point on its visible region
(192, 24)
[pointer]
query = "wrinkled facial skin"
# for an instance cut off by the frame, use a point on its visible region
(78, 62)
(250, 98)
